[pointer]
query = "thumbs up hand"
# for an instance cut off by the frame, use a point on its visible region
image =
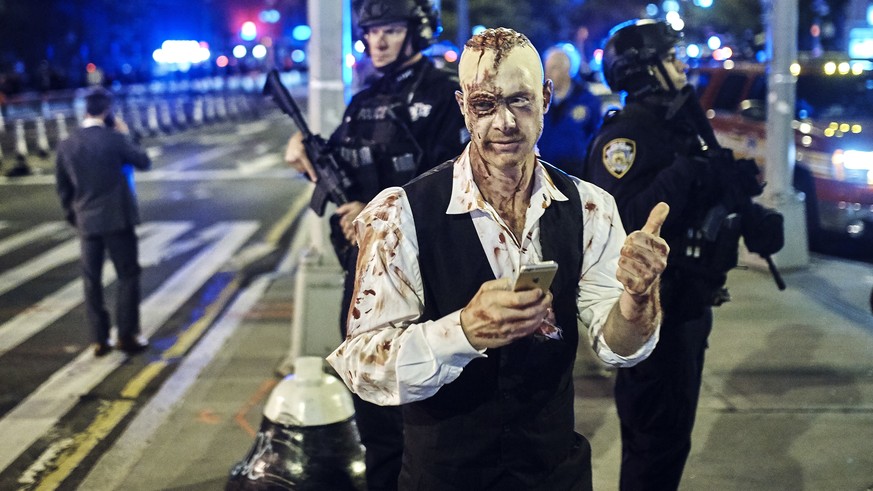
(644, 255)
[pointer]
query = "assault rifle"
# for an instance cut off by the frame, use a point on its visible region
(762, 228)
(333, 182)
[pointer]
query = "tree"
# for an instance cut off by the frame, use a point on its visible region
(543, 21)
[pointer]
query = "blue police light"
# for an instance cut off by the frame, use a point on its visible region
(651, 10)
(703, 3)
(181, 52)
(359, 46)
(861, 42)
(478, 28)
(298, 55)
(670, 6)
(259, 51)
(301, 33)
(248, 31)
(239, 51)
(693, 51)
(269, 16)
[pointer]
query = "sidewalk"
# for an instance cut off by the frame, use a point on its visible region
(787, 401)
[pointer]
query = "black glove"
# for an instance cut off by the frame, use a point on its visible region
(763, 230)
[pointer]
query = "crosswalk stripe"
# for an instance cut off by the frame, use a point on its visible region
(199, 158)
(258, 164)
(31, 235)
(217, 175)
(39, 316)
(64, 253)
(280, 172)
(36, 414)
(117, 462)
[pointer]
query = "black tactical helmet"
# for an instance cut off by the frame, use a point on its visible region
(421, 15)
(632, 53)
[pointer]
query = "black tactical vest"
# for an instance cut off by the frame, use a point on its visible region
(375, 138)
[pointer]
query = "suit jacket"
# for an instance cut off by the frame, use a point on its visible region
(95, 179)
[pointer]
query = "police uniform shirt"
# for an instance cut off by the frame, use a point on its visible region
(637, 157)
(569, 127)
(402, 125)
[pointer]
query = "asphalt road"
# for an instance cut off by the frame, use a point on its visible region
(217, 200)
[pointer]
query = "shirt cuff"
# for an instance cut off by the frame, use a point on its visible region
(448, 342)
(608, 356)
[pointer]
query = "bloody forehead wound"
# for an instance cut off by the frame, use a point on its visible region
(501, 40)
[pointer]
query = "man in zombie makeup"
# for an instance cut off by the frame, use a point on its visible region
(484, 373)
(400, 126)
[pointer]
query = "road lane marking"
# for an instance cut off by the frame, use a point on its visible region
(258, 164)
(127, 451)
(31, 235)
(262, 393)
(161, 175)
(116, 464)
(199, 158)
(62, 254)
(142, 379)
(107, 419)
(158, 237)
(35, 415)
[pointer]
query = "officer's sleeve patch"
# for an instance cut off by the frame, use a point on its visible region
(618, 156)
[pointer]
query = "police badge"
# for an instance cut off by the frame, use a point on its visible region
(618, 156)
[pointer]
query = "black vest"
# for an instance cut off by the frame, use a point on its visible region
(509, 415)
(376, 141)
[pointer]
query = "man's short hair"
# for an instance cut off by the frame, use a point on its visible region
(500, 39)
(98, 101)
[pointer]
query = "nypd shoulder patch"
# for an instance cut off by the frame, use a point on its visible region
(618, 156)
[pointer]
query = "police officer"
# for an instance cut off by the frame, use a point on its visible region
(405, 123)
(574, 114)
(654, 150)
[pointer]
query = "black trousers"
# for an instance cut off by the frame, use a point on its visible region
(123, 250)
(380, 427)
(657, 402)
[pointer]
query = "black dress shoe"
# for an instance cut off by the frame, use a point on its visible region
(101, 349)
(133, 346)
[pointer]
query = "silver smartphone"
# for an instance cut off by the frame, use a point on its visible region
(539, 275)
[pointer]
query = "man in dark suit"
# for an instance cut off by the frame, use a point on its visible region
(94, 171)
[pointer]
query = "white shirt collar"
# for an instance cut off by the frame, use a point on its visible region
(466, 196)
(90, 121)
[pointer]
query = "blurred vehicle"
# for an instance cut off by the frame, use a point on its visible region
(833, 127)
